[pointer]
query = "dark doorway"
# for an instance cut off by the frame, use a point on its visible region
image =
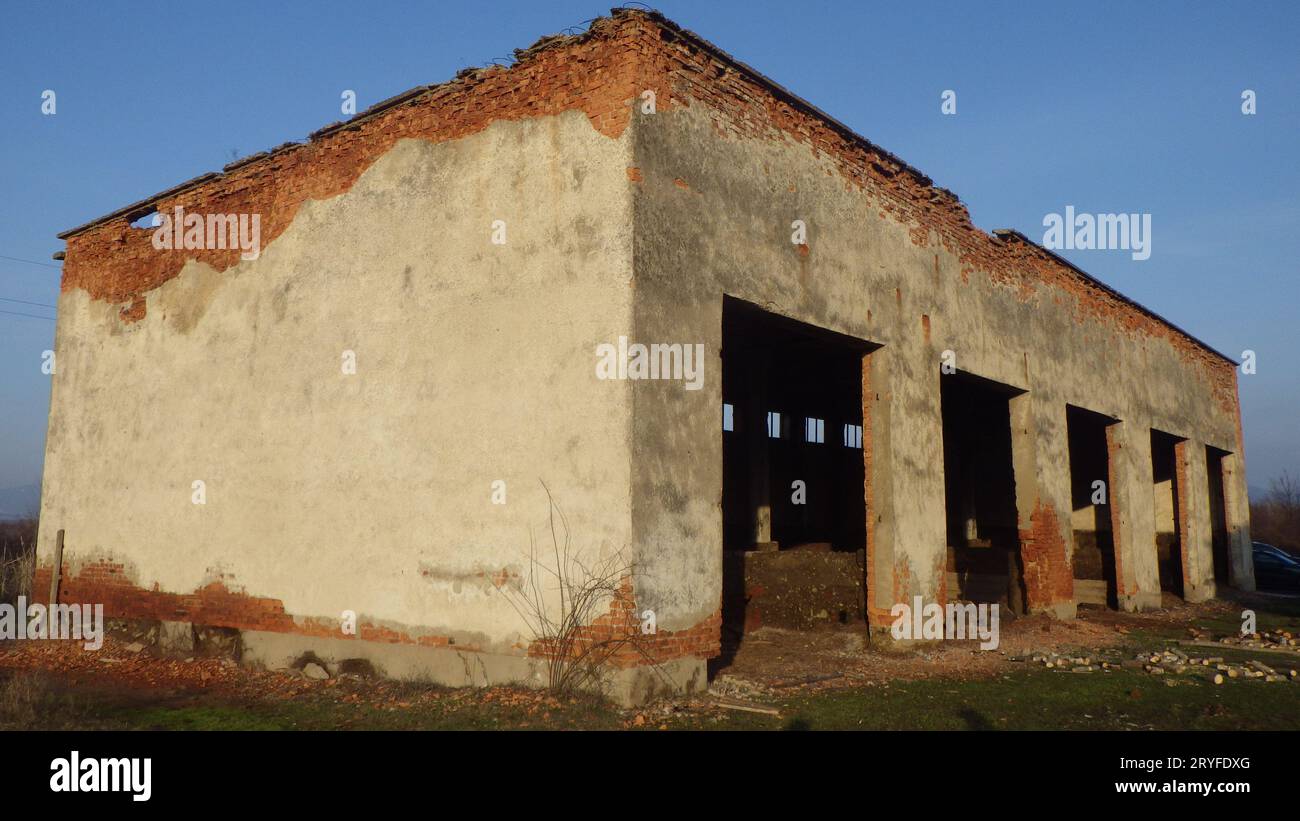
(980, 491)
(1218, 514)
(792, 396)
(793, 490)
(1169, 547)
(1094, 543)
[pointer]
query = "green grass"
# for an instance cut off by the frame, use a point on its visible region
(321, 715)
(1047, 700)
(1275, 614)
(1031, 699)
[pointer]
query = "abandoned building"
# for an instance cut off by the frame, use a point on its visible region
(358, 418)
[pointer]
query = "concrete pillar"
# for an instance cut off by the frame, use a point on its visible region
(902, 443)
(1133, 520)
(1241, 562)
(760, 474)
(876, 458)
(1195, 534)
(1040, 455)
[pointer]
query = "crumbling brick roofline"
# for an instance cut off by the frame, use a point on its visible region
(144, 206)
(887, 163)
(918, 176)
(1010, 234)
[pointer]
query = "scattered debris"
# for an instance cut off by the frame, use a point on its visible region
(1168, 662)
(1268, 640)
(748, 708)
(728, 686)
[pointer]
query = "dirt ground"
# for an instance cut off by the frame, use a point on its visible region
(770, 661)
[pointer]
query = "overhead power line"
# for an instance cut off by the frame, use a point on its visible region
(25, 302)
(30, 316)
(29, 261)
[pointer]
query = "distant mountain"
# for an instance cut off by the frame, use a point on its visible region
(20, 502)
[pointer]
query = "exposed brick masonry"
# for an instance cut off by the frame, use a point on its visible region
(1049, 573)
(601, 73)
(221, 604)
(591, 73)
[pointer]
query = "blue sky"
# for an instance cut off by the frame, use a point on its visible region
(1110, 107)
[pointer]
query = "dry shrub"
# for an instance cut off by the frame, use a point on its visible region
(17, 559)
(560, 598)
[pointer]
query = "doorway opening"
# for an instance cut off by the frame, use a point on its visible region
(1169, 541)
(793, 490)
(1218, 515)
(1090, 514)
(984, 562)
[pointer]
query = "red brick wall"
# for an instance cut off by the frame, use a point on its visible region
(617, 636)
(221, 604)
(1049, 572)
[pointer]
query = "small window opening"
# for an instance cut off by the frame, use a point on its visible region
(814, 430)
(853, 436)
(774, 424)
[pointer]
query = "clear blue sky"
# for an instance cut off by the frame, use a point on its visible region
(1109, 107)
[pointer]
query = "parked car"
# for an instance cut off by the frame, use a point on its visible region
(1275, 569)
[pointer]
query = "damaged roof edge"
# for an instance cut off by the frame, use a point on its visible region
(145, 205)
(790, 97)
(1011, 233)
(799, 102)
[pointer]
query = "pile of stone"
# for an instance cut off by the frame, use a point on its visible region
(1073, 664)
(1265, 640)
(1176, 662)
(1171, 662)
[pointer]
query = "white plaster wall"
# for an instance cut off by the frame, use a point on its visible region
(369, 492)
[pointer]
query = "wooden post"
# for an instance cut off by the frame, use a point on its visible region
(58, 568)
